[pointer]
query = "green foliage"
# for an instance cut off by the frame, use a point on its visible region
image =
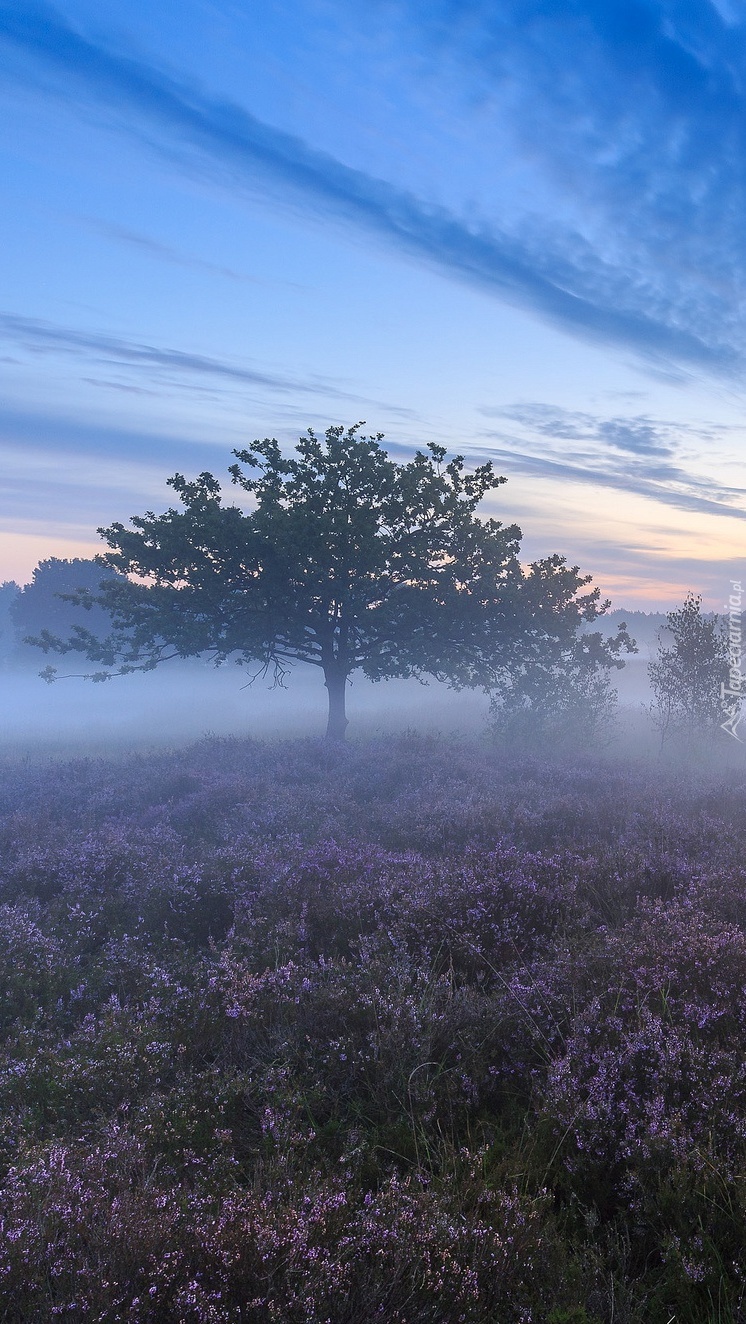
(346, 561)
(686, 677)
(557, 690)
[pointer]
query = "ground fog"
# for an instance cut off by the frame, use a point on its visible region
(181, 701)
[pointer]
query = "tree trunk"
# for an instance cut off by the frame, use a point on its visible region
(336, 684)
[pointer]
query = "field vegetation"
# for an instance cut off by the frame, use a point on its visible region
(414, 1031)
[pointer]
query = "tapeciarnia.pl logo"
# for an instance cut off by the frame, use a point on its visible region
(734, 693)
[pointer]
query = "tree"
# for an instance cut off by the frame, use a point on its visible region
(347, 561)
(558, 688)
(689, 676)
(60, 597)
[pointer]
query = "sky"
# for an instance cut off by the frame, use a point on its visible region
(510, 227)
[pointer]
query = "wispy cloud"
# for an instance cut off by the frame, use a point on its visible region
(570, 284)
(629, 116)
(69, 474)
(68, 434)
(638, 484)
(639, 434)
(126, 388)
(167, 253)
(133, 239)
(44, 337)
(637, 455)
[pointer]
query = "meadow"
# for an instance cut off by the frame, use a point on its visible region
(413, 1031)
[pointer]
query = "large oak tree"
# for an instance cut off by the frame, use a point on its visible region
(345, 560)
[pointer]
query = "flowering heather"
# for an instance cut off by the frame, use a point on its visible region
(402, 1032)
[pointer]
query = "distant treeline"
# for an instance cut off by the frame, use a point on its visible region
(28, 610)
(643, 626)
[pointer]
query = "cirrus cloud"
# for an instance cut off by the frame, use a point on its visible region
(602, 286)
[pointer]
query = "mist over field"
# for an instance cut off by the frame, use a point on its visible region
(181, 702)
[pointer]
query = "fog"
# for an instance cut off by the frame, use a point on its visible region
(182, 702)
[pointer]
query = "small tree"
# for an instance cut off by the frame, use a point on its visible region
(348, 561)
(558, 689)
(688, 676)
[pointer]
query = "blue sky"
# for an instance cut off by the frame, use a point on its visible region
(515, 228)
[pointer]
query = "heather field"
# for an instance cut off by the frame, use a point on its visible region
(410, 1031)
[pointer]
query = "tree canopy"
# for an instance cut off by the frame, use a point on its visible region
(558, 689)
(690, 676)
(345, 560)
